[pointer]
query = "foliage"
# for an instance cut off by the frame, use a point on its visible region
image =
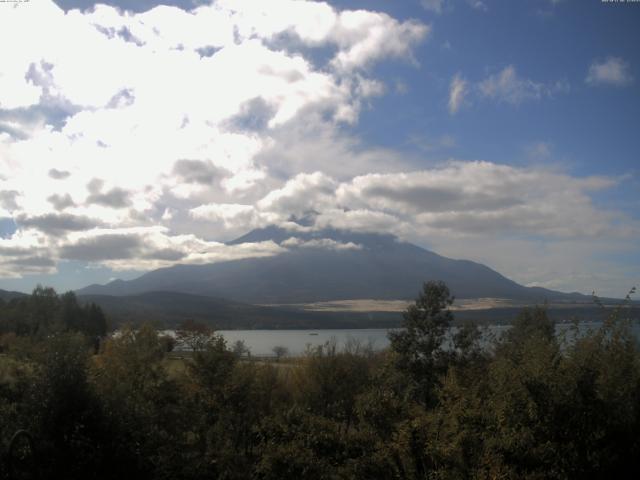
(418, 346)
(439, 404)
(192, 335)
(44, 312)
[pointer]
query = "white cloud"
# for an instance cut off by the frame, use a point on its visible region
(505, 86)
(173, 116)
(145, 248)
(229, 216)
(439, 6)
(174, 130)
(478, 5)
(457, 92)
(303, 193)
(469, 198)
(322, 243)
(433, 5)
(610, 71)
(361, 220)
(508, 87)
(364, 37)
(25, 252)
(312, 145)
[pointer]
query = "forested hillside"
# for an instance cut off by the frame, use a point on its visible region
(531, 405)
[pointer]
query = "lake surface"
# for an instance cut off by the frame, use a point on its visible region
(262, 342)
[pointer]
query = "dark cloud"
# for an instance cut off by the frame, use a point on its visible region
(15, 251)
(254, 116)
(51, 109)
(95, 185)
(168, 254)
(435, 199)
(115, 198)
(207, 51)
(103, 247)
(8, 199)
(60, 202)
(58, 223)
(34, 261)
(58, 174)
(198, 171)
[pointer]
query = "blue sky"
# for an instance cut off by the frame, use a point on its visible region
(498, 131)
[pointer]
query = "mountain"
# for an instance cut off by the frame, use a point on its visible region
(329, 265)
(7, 295)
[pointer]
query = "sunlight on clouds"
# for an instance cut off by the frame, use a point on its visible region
(174, 129)
(171, 102)
(312, 22)
(323, 243)
(145, 248)
(152, 131)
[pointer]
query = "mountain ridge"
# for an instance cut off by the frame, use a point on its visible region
(349, 265)
(7, 295)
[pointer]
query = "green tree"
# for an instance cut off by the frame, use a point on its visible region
(42, 305)
(141, 404)
(418, 345)
(64, 410)
(95, 324)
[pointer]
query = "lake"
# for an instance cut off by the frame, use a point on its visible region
(261, 342)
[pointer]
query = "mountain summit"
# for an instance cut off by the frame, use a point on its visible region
(328, 265)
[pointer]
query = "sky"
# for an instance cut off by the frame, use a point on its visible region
(136, 135)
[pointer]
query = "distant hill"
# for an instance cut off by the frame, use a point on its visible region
(376, 266)
(169, 309)
(8, 295)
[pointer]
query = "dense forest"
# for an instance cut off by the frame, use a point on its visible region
(77, 403)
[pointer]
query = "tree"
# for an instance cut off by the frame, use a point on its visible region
(42, 305)
(95, 324)
(139, 402)
(418, 346)
(531, 322)
(240, 348)
(280, 351)
(71, 315)
(63, 408)
(193, 335)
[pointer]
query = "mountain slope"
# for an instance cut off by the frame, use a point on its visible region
(328, 265)
(8, 295)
